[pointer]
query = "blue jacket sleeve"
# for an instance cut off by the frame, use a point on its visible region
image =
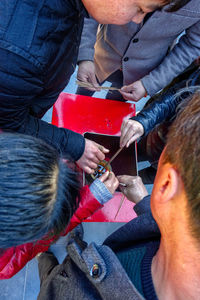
(143, 206)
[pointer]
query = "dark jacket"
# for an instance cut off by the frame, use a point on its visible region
(163, 106)
(39, 43)
(111, 282)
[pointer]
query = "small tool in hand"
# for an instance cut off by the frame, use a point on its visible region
(113, 157)
(122, 184)
(89, 85)
(122, 199)
(120, 205)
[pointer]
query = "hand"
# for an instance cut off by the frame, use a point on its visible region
(86, 73)
(134, 91)
(134, 190)
(131, 130)
(110, 181)
(92, 155)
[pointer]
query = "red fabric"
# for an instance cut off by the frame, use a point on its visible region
(15, 258)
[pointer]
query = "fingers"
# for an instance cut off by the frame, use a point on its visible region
(92, 156)
(104, 176)
(127, 88)
(127, 92)
(129, 96)
(133, 139)
(87, 165)
(131, 130)
(86, 73)
(127, 132)
(111, 182)
(134, 190)
(100, 152)
(102, 148)
(94, 82)
(87, 170)
(99, 155)
(126, 179)
(134, 91)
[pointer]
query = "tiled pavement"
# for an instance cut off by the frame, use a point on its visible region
(25, 284)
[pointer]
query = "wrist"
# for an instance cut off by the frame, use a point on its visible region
(100, 191)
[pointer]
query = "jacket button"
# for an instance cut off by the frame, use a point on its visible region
(135, 40)
(126, 58)
(63, 273)
(95, 271)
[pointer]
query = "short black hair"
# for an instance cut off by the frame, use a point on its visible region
(38, 191)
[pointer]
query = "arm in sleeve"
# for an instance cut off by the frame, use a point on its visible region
(21, 87)
(143, 206)
(87, 206)
(182, 55)
(68, 143)
(92, 198)
(162, 108)
(88, 40)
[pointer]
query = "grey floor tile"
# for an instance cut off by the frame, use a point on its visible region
(98, 231)
(13, 288)
(93, 232)
(32, 283)
(48, 116)
(59, 248)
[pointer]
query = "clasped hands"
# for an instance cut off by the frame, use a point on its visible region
(133, 187)
(87, 73)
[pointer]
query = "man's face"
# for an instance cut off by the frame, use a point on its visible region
(120, 11)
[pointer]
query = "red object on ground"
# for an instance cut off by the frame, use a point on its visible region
(87, 114)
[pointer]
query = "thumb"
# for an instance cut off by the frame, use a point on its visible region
(94, 80)
(102, 148)
(126, 88)
(104, 176)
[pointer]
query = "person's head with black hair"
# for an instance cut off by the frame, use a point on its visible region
(38, 191)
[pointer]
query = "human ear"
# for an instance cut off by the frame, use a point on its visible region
(169, 184)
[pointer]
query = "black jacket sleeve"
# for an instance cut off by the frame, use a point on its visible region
(16, 114)
(163, 106)
(68, 143)
(23, 100)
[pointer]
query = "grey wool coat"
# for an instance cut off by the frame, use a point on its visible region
(141, 50)
(112, 282)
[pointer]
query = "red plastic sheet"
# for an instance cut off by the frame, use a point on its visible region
(87, 114)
